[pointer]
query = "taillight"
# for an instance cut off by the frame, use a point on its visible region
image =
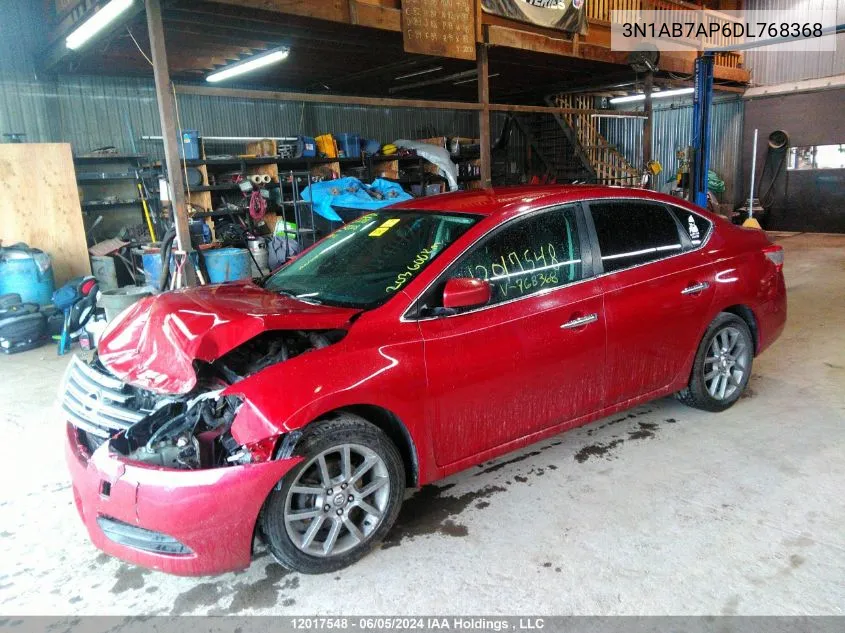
(774, 254)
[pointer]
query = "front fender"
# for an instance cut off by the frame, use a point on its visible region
(289, 395)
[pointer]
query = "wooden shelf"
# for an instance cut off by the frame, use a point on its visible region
(93, 206)
(83, 160)
(105, 177)
(223, 187)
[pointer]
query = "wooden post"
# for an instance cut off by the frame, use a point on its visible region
(484, 116)
(169, 133)
(647, 126)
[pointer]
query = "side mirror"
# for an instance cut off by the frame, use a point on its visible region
(466, 292)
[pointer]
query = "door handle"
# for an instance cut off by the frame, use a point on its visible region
(695, 288)
(584, 320)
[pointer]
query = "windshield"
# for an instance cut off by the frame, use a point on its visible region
(367, 261)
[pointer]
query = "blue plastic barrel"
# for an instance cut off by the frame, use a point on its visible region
(227, 264)
(27, 272)
(151, 260)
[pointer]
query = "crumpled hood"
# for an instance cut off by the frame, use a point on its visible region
(153, 343)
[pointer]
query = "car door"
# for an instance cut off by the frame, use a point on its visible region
(534, 355)
(658, 289)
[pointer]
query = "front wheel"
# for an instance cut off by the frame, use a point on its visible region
(332, 508)
(722, 365)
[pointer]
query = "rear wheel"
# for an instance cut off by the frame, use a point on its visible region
(332, 508)
(722, 365)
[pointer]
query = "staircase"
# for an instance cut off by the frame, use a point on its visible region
(608, 164)
(554, 156)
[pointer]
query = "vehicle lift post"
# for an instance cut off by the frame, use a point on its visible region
(701, 106)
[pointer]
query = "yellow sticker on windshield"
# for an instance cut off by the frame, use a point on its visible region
(384, 227)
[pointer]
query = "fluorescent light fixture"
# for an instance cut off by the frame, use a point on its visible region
(418, 73)
(248, 65)
(618, 116)
(466, 81)
(96, 23)
(662, 94)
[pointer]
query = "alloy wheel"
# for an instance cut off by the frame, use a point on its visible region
(726, 363)
(338, 500)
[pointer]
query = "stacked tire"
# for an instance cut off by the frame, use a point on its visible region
(23, 326)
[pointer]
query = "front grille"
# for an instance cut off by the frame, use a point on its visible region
(96, 403)
(140, 538)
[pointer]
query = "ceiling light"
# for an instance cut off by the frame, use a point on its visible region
(96, 23)
(466, 81)
(250, 64)
(662, 94)
(418, 73)
(618, 116)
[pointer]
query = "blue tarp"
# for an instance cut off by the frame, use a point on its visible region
(351, 193)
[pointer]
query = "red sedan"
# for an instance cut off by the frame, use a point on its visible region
(414, 342)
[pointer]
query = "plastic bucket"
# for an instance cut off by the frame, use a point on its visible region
(104, 271)
(349, 145)
(117, 300)
(227, 264)
(27, 272)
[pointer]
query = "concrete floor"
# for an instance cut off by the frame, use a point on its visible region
(666, 510)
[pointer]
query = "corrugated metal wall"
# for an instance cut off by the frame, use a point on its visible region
(769, 68)
(97, 111)
(91, 112)
(673, 130)
(24, 100)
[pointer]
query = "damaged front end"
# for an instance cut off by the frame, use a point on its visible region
(181, 431)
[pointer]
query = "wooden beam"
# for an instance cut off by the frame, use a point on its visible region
(167, 115)
(484, 115)
(381, 102)
(504, 107)
(528, 41)
(376, 102)
(374, 16)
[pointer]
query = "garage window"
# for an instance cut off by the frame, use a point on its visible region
(631, 233)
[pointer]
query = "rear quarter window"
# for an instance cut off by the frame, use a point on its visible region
(696, 226)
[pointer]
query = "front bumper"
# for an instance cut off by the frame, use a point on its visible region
(210, 512)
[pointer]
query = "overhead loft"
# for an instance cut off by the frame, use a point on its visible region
(364, 38)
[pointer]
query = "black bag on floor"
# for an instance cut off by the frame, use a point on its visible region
(20, 332)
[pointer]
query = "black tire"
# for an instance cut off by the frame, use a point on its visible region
(19, 309)
(9, 299)
(23, 328)
(321, 436)
(696, 394)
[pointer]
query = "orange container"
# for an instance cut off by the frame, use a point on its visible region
(326, 145)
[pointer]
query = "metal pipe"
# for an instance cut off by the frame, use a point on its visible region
(149, 137)
(753, 171)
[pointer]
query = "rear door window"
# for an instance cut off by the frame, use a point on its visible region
(632, 232)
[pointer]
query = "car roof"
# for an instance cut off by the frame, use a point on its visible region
(497, 200)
